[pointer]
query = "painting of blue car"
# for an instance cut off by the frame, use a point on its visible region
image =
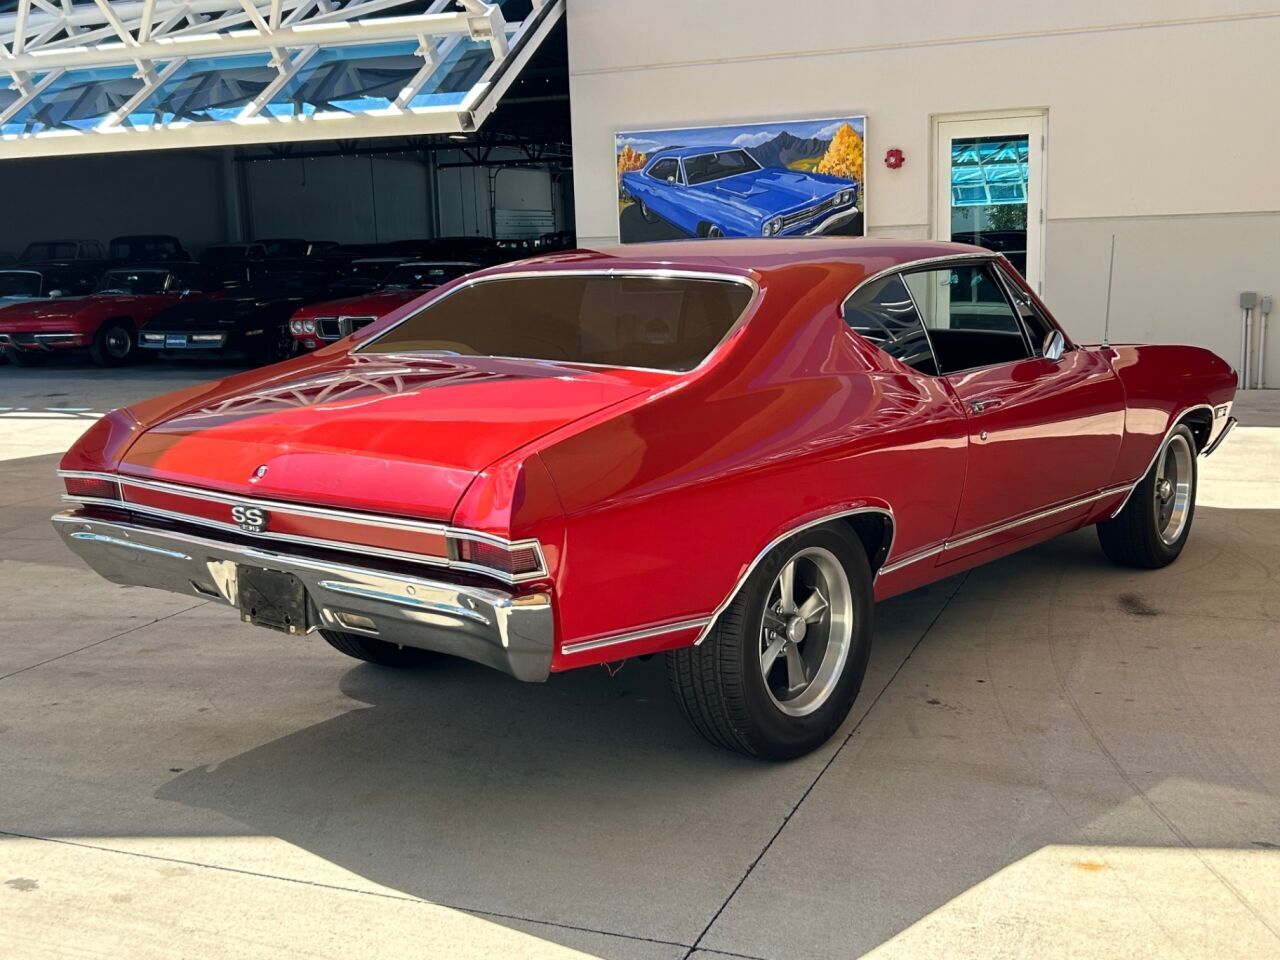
(786, 179)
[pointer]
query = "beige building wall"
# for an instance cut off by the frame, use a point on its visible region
(1163, 126)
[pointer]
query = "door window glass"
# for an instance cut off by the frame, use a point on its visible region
(665, 170)
(883, 313)
(969, 319)
(989, 194)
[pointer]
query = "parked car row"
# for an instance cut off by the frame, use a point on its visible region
(189, 309)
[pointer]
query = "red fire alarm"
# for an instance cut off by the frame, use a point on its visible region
(893, 159)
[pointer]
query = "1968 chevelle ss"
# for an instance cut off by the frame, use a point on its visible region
(724, 451)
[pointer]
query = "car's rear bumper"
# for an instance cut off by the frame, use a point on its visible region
(511, 632)
(45, 340)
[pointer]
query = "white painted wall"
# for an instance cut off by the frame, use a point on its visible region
(1163, 126)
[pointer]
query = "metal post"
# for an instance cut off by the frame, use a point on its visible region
(1248, 300)
(1262, 342)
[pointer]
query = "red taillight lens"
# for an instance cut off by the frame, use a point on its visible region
(512, 561)
(92, 487)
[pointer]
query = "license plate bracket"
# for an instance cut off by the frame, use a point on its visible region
(273, 599)
(175, 340)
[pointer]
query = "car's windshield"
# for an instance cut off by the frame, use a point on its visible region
(424, 276)
(663, 323)
(137, 282)
(49, 251)
(717, 166)
(19, 283)
(374, 270)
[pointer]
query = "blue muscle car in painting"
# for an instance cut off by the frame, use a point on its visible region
(725, 192)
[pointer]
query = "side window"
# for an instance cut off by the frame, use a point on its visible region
(883, 313)
(970, 321)
(668, 169)
(1037, 324)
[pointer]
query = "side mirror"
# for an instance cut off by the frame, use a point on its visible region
(54, 294)
(186, 292)
(671, 179)
(1054, 345)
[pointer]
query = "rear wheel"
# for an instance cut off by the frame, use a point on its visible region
(376, 651)
(115, 344)
(1154, 525)
(783, 664)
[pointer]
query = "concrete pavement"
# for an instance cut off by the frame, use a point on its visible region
(1051, 756)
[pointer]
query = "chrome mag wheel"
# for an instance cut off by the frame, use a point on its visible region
(1173, 488)
(806, 631)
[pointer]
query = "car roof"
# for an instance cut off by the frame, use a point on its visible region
(695, 151)
(750, 256)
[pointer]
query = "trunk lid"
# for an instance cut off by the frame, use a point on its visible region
(388, 434)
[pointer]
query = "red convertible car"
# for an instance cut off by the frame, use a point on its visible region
(106, 321)
(724, 451)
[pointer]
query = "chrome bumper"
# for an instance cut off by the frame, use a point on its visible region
(826, 223)
(512, 633)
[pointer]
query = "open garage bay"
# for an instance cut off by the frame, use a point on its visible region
(1050, 756)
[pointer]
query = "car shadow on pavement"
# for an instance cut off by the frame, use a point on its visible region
(1055, 701)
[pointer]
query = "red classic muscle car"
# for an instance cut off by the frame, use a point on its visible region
(106, 321)
(319, 323)
(724, 451)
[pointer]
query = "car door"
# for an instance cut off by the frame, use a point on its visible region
(663, 182)
(1043, 434)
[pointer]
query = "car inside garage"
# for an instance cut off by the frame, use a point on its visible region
(398, 131)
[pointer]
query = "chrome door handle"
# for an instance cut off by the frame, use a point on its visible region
(977, 406)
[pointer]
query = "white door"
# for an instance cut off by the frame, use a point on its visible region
(990, 187)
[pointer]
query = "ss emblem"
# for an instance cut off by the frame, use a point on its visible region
(249, 519)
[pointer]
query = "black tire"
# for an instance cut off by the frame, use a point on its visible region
(648, 215)
(721, 686)
(1149, 532)
(709, 231)
(115, 344)
(372, 650)
(27, 358)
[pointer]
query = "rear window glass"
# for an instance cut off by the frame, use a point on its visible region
(663, 323)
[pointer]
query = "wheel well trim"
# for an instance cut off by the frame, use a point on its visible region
(791, 531)
(1176, 422)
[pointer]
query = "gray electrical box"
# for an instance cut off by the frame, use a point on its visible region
(1248, 300)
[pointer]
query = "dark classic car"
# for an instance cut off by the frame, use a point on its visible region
(725, 192)
(251, 321)
(147, 248)
(725, 452)
(85, 254)
(108, 320)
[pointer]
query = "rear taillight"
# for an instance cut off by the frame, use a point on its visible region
(515, 560)
(92, 488)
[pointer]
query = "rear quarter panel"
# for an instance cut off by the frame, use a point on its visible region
(1162, 382)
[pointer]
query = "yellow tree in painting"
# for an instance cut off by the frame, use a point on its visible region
(629, 160)
(844, 156)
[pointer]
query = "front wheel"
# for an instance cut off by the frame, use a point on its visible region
(115, 344)
(648, 215)
(783, 664)
(1153, 527)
